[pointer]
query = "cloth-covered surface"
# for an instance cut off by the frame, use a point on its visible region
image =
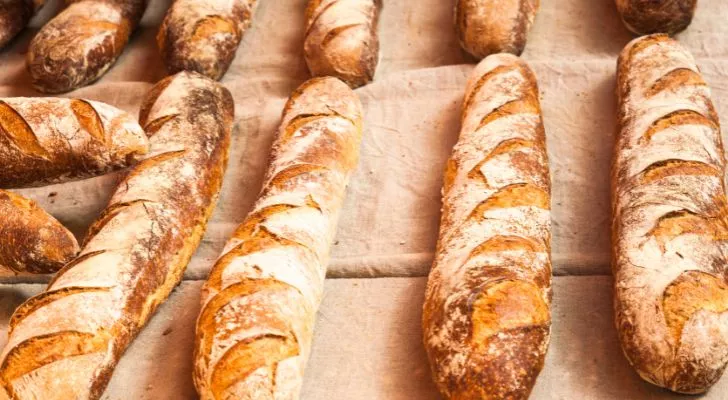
(368, 340)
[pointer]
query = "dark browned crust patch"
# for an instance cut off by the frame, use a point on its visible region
(645, 17)
(14, 16)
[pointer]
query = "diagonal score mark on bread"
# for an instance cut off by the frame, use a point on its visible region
(676, 119)
(42, 350)
(668, 168)
(17, 129)
(674, 81)
(45, 298)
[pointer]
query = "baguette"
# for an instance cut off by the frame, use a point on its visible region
(51, 140)
(203, 35)
(643, 17)
(486, 317)
(30, 239)
(81, 43)
(669, 232)
(259, 305)
(494, 26)
(14, 16)
(65, 343)
(341, 39)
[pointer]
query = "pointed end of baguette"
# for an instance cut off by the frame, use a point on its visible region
(209, 50)
(506, 367)
(692, 353)
(702, 355)
(508, 342)
(501, 350)
(696, 310)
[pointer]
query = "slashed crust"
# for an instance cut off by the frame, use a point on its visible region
(670, 233)
(486, 318)
(259, 304)
(134, 254)
(52, 140)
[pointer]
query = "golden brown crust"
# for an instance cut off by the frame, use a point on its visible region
(135, 255)
(52, 140)
(81, 43)
(494, 26)
(670, 232)
(486, 316)
(14, 16)
(259, 305)
(203, 35)
(30, 239)
(341, 39)
(644, 17)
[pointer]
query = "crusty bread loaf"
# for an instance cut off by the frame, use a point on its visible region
(64, 343)
(203, 35)
(656, 16)
(30, 239)
(670, 233)
(494, 26)
(81, 43)
(341, 39)
(51, 140)
(486, 318)
(259, 305)
(14, 16)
